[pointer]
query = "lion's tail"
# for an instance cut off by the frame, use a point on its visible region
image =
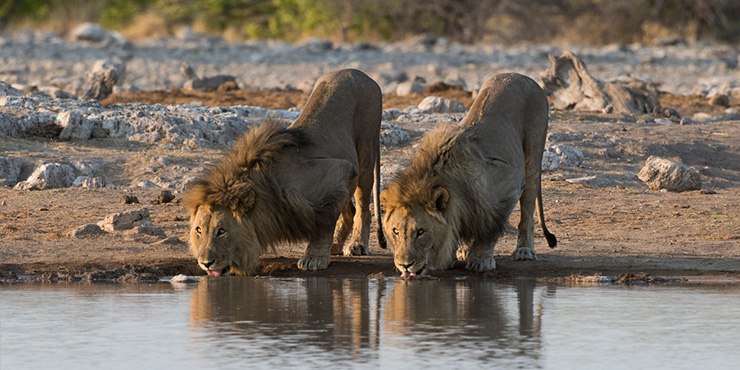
(552, 241)
(376, 201)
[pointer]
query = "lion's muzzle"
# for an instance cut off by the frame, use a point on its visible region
(210, 267)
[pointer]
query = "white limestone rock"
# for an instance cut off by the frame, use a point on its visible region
(48, 176)
(659, 173)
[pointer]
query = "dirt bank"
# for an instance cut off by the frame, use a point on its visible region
(620, 228)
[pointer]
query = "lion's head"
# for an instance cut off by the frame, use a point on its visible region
(223, 242)
(235, 208)
(416, 231)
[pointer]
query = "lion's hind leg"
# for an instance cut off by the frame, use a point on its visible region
(344, 226)
(525, 239)
(360, 240)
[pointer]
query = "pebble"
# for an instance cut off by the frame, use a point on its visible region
(183, 279)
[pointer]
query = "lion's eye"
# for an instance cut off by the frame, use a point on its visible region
(197, 230)
(395, 231)
(220, 232)
(420, 232)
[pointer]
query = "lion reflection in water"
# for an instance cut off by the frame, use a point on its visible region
(369, 312)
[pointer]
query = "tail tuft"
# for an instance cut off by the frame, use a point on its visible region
(552, 241)
(381, 239)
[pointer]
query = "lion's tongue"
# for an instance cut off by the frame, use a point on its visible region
(406, 274)
(213, 273)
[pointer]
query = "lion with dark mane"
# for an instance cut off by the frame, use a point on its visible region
(294, 184)
(464, 182)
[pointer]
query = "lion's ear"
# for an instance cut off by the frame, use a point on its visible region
(441, 197)
(245, 203)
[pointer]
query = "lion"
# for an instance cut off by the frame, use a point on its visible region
(291, 184)
(464, 181)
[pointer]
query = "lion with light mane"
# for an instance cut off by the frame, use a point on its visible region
(464, 182)
(292, 184)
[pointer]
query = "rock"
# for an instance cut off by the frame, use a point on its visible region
(391, 114)
(88, 167)
(663, 121)
(659, 173)
(8, 90)
(55, 93)
(48, 176)
(10, 170)
(124, 220)
(415, 85)
(90, 32)
(571, 86)
(720, 100)
(172, 240)
(146, 185)
(85, 231)
(75, 126)
(104, 75)
(183, 279)
(165, 196)
(436, 104)
(427, 40)
(569, 157)
(208, 82)
(315, 44)
(163, 161)
(188, 72)
(391, 135)
(550, 161)
(703, 117)
(666, 112)
(91, 182)
(594, 182)
(78, 181)
(394, 75)
(687, 121)
(146, 230)
(128, 199)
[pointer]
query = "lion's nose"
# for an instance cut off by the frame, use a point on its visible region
(406, 266)
(209, 263)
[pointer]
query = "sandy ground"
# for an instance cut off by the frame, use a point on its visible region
(620, 230)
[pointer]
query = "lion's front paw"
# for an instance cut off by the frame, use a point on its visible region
(524, 254)
(480, 264)
(356, 249)
(313, 263)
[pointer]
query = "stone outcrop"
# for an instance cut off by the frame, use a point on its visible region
(571, 86)
(48, 176)
(436, 104)
(10, 170)
(125, 220)
(659, 173)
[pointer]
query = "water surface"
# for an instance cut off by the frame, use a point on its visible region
(359, 323)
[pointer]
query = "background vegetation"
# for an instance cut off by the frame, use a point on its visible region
(468, 21)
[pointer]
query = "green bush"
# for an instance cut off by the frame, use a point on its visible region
(583, 21)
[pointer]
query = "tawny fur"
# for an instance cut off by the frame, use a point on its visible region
(464, 181)
(291, 184)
